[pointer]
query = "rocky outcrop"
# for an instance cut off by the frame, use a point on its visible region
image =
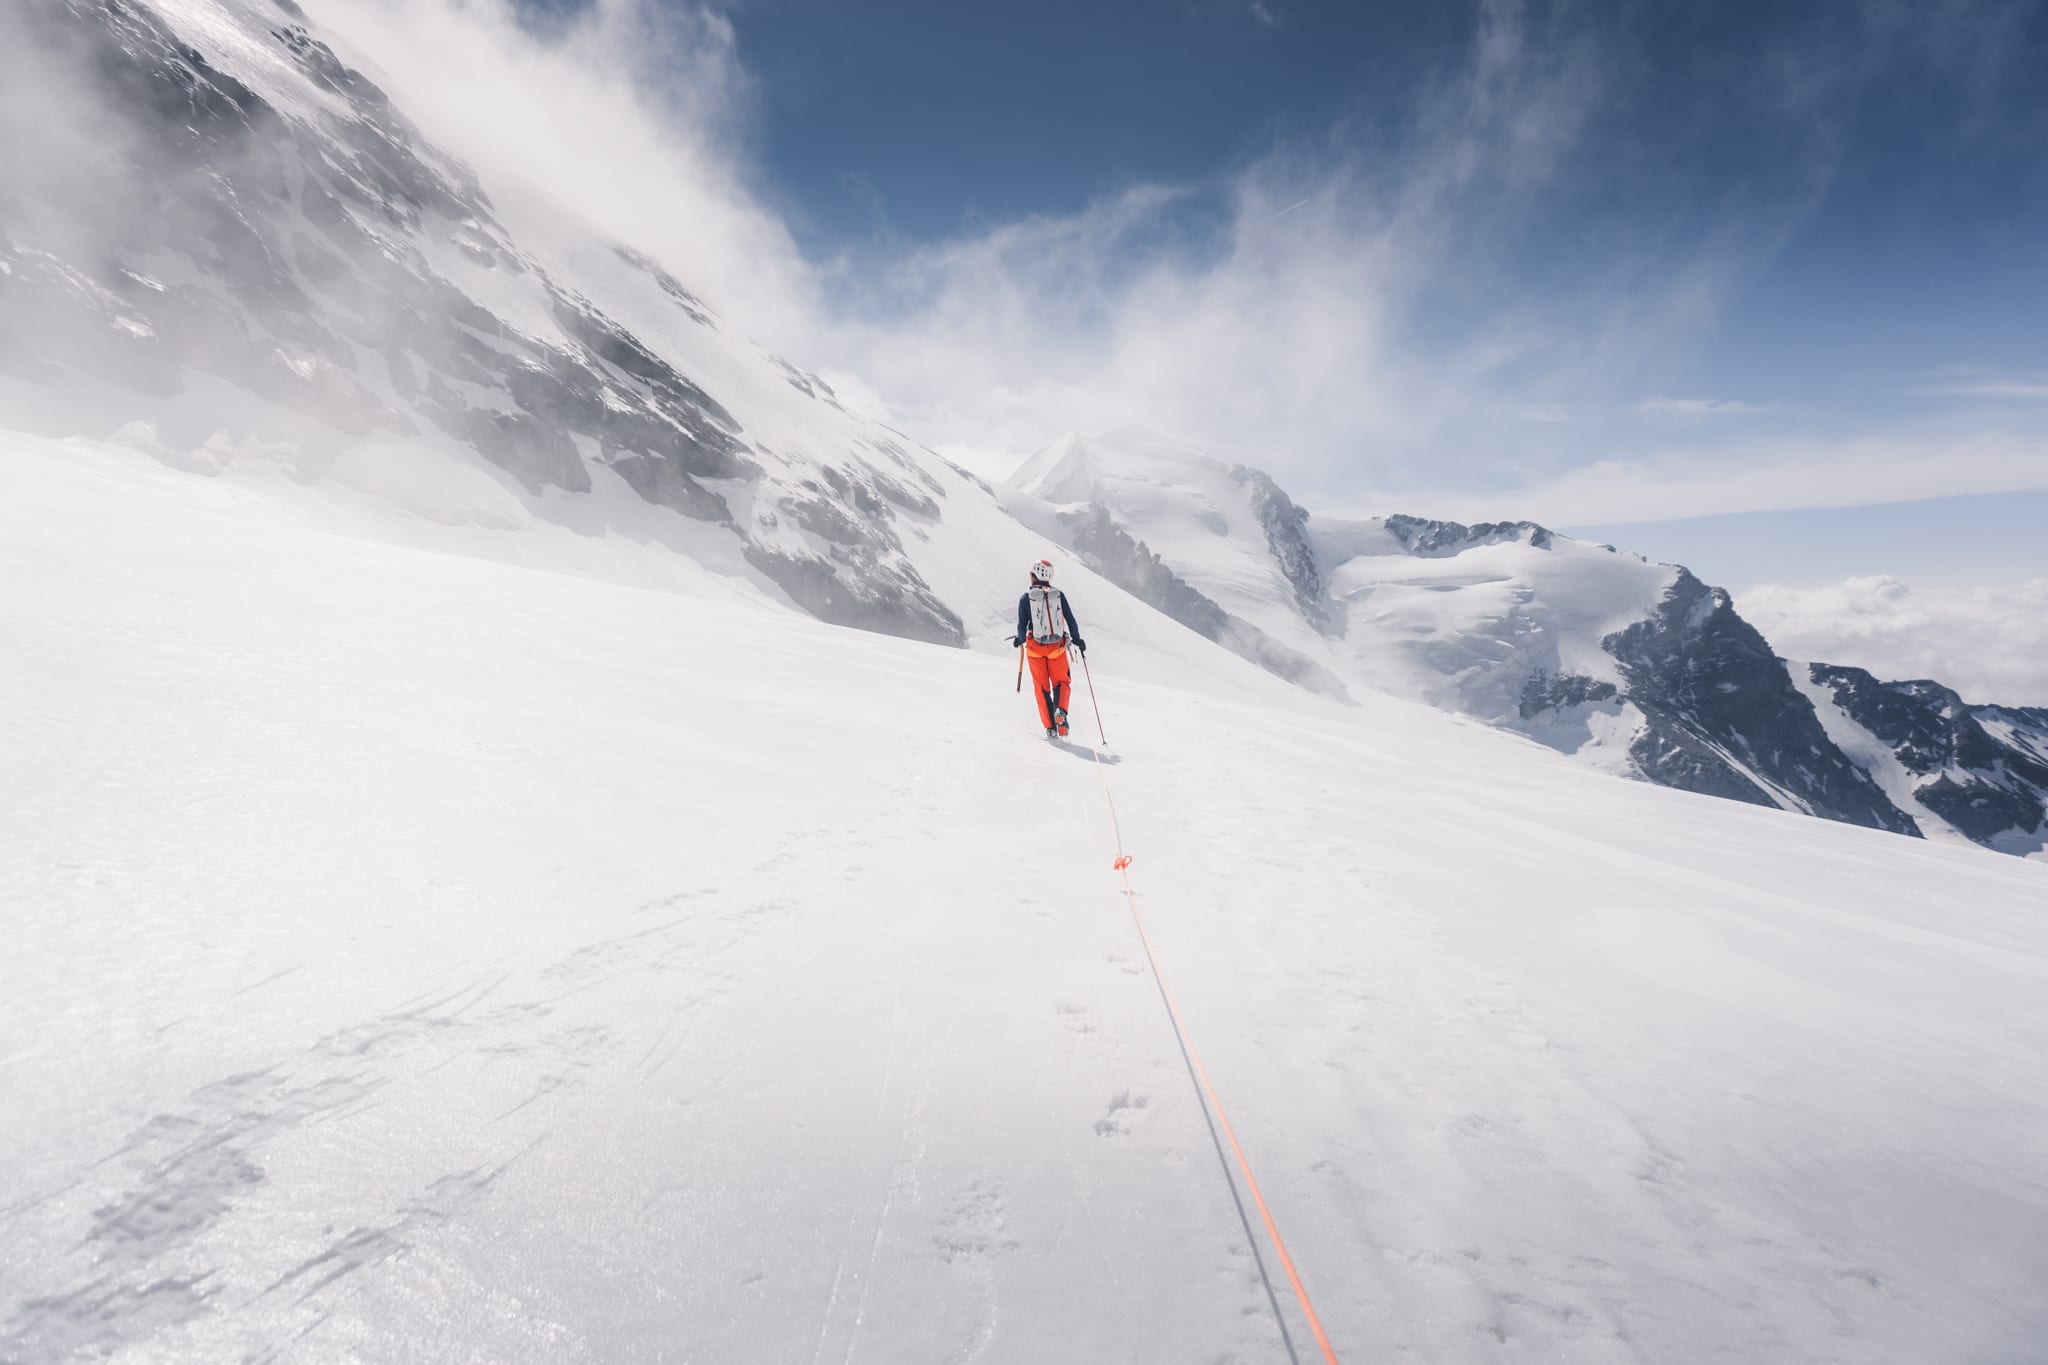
(1981, 769)
(1440, 539)
(1547, 691)
(1724, 719)
(1287, 539)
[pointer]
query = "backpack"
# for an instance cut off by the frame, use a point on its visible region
(1048, 615)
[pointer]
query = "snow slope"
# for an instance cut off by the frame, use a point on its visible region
(418, 955)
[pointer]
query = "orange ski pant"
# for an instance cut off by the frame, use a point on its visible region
(1049, 675)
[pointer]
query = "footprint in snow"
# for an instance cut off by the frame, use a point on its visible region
(1122, 1114)
(977, 1225)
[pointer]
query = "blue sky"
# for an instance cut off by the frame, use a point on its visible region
(921, 120)
(1877, 166)
(1917, 130)
(1741, 222)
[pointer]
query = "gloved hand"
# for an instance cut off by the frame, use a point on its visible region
(1017, 643)
(1080, 644)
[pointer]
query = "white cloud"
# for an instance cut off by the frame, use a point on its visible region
(1689, 409)
(1265, 14)
(1989, 643)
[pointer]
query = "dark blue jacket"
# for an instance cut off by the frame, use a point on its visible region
(1024, 621)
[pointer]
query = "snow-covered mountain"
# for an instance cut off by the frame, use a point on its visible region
(268, 258)
(1635, 666)
(271, 264)
(224, 246)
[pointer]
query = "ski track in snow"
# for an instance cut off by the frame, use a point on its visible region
(415, 957)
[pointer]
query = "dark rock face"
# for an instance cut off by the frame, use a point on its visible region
(1985, 767)
(1561, 691)
(1287, 539)
(1428, 539)
(1724, 718)
(873, 599)
(854, 511)
(298, 253)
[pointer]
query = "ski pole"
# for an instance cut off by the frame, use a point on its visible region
(1091, 697)
(1020, 670)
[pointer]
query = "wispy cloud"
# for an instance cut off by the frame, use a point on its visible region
(1692, 409)
(1756, 475)
(1265, 13)
(2027, 388)
(1290, 208)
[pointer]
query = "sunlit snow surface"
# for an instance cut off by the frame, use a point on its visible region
(421, 956)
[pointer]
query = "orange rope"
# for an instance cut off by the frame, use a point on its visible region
(1122, 866)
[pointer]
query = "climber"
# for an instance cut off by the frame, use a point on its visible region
(1045, 626)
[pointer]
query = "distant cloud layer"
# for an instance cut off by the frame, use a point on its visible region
(1990, 644)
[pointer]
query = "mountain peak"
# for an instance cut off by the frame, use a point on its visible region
(1062, 465)
(1073, 467)
(1428, 538)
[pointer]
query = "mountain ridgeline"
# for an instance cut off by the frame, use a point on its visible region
(1639, 667)
(271, 261)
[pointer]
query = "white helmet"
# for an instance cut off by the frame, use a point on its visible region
(1041, 572)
